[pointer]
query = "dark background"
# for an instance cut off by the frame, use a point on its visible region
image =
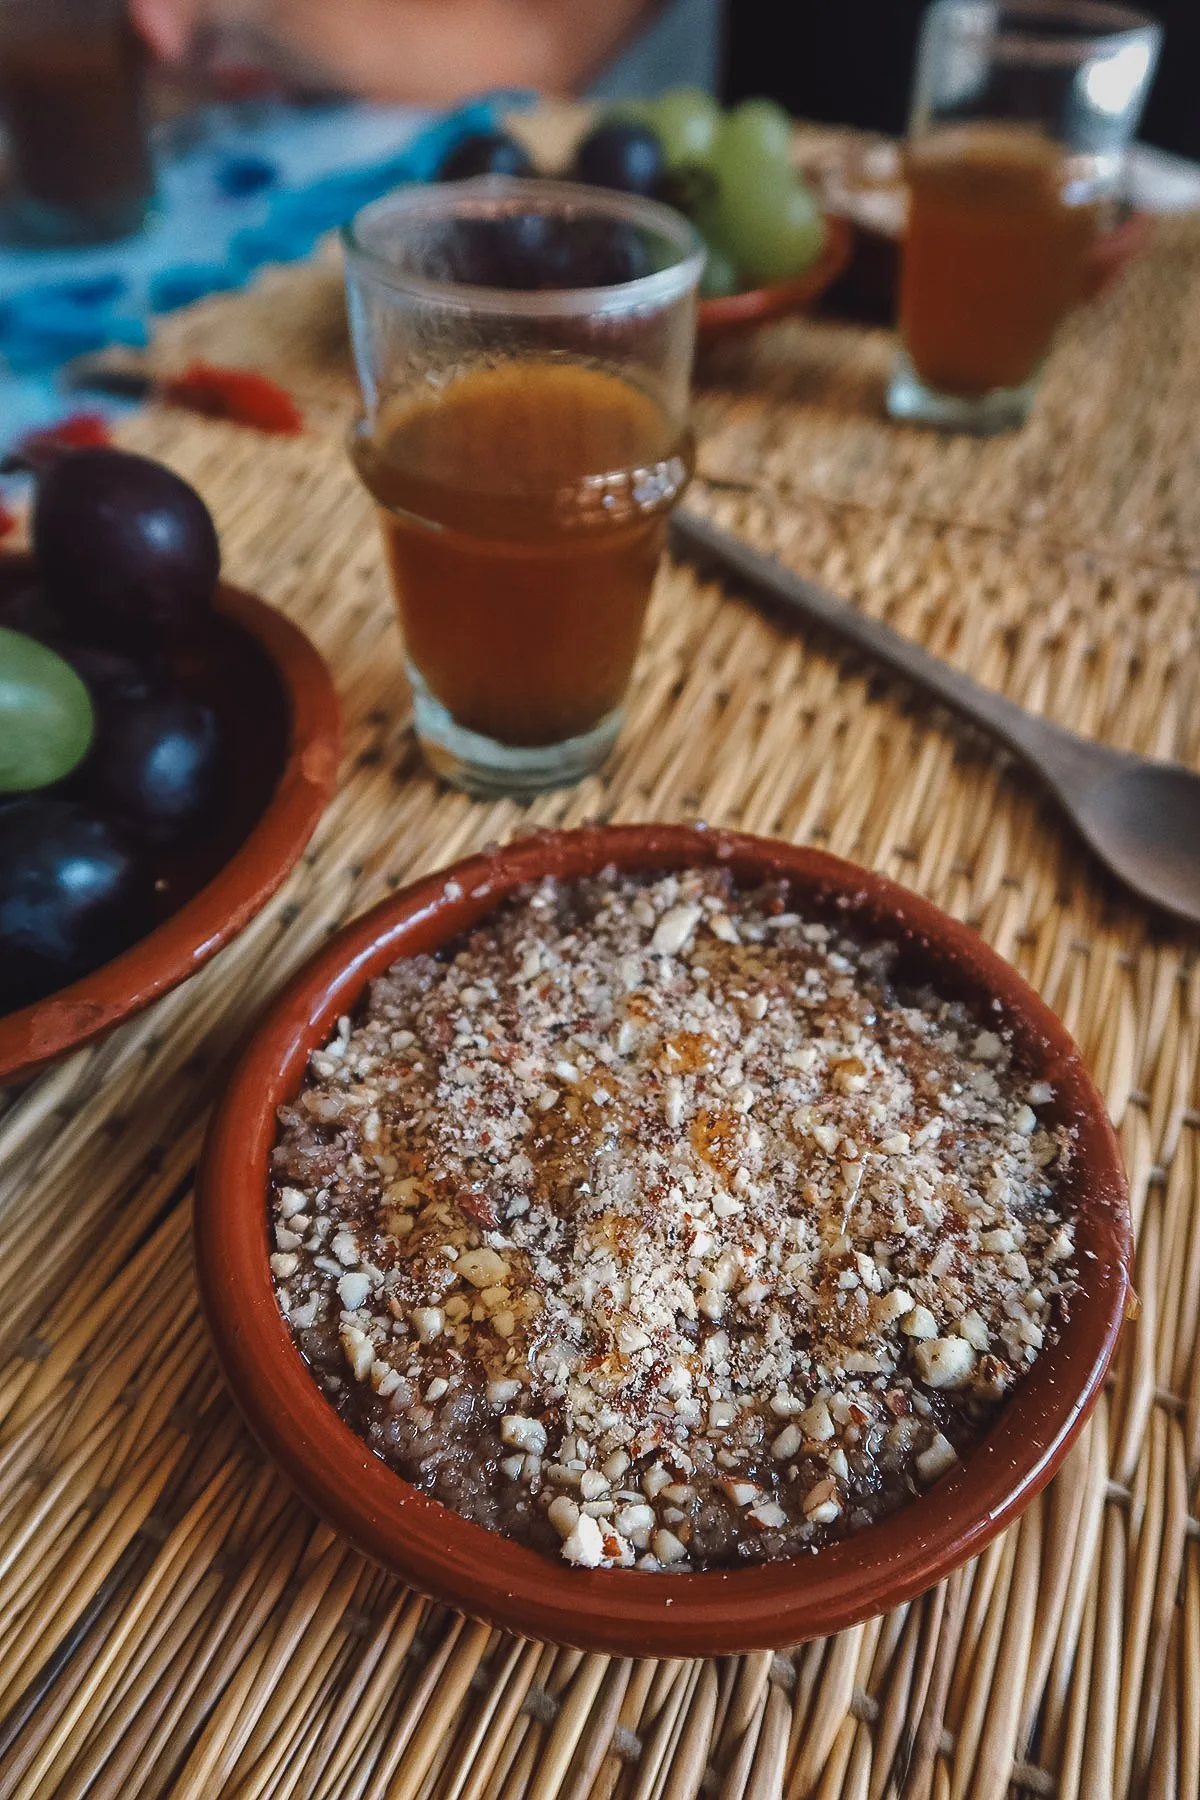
(850, 62)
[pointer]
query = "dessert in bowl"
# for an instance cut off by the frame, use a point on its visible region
(670, 1242)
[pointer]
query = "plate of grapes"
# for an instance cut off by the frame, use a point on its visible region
(771, 250)
(168, 743)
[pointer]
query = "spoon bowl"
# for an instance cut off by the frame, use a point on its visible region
(1143, 821)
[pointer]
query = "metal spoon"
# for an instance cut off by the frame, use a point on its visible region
(1141, 818)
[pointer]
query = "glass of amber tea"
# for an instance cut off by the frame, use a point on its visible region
(73, 111)
(1022, 112)
(525, 350)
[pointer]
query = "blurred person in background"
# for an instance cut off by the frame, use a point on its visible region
(847, 63)
(437, 51)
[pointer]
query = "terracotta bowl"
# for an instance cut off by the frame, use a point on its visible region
(734, 314)
(1113, 251)
(277, 705)
(627, 1612)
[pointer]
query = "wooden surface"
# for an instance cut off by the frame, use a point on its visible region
(171, 1620)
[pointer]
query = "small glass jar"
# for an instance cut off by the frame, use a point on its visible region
(73, 108)
(525, 440)
(1022, 113)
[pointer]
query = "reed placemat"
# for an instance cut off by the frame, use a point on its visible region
(171, 1620)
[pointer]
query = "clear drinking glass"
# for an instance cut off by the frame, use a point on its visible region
(525, 351)
(1021, 116)
(72, 102)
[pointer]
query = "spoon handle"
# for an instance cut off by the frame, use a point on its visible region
(1030, 736)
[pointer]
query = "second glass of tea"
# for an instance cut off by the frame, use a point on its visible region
(1022, 113)
(73, 110)
(525, 351)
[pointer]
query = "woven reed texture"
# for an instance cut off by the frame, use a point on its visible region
(172, 1621)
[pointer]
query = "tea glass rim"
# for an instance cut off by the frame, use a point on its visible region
(492, 196)
(1104, 23)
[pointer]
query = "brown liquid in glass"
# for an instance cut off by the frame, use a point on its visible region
(524, 511)
(994, 256)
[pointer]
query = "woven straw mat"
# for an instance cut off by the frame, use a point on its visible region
(172, 1620)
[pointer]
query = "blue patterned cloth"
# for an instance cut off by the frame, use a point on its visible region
(251, 185)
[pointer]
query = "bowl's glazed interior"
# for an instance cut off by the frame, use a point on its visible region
(629, 1612)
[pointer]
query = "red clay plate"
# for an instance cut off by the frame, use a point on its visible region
(280, 713)
(627, 1612)
(1113, 251)
(733, 314)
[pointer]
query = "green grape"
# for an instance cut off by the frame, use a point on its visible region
(755, 139)
(689, 188)
(706, 218)
(631, 112)
(686, 120)
(720, 276)
(772, 228)
(46, 718)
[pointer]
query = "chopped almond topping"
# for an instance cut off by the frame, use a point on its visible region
(652, 1224)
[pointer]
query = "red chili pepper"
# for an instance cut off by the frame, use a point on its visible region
(81, 431)
(238, 395)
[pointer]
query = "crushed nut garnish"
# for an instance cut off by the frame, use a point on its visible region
(652, 1226)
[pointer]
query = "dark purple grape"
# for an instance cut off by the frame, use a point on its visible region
(618, 155)
(156, 765)
(485, 153)
(594, 252)
(127, 550)
(29, 610)
(500, 253)
(73, 894)
(109, 676)
(531, 251)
